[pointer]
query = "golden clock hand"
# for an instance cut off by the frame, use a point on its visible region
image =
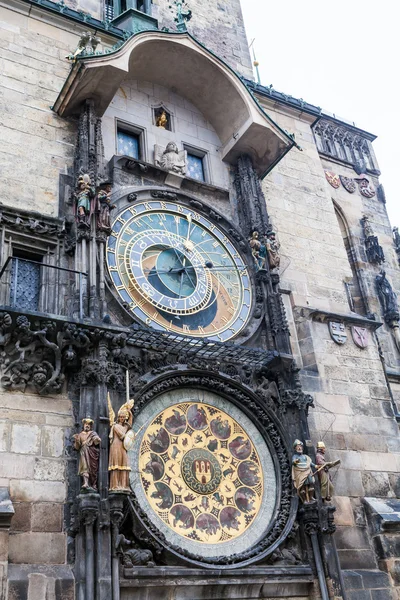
(187, 243)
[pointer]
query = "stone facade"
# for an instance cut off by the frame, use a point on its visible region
(80, 338)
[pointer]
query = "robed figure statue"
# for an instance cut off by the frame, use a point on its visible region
(121, 440)
(87, 442)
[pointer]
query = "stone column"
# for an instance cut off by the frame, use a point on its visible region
(89, 511)
(116, 514)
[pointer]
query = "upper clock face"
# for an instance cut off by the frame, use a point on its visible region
(178, 272)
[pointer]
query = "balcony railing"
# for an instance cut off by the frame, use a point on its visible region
(29, 285)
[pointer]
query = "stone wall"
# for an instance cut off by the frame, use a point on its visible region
(34, 432)
(353, 413)
(36, 145)
(218, 24)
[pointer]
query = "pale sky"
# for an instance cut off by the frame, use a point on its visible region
(342, 56)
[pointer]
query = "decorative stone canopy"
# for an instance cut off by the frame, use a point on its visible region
(179, 62)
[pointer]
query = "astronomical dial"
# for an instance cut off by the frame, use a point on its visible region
(201, 473)
(178, 272)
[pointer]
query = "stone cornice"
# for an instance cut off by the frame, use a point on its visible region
(324, 316)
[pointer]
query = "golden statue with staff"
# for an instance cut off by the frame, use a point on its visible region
(122, 438)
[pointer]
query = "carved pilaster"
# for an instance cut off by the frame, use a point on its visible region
(251, 201)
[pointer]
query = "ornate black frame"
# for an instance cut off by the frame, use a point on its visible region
(230, 229)
(273, 434)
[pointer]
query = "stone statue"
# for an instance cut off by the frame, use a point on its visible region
(396, 237)
(84, 197)
(170, 159)
(87, 442)
(325, 481)
(121, 440)
(387, 297)
(302, 474)
(374, 251)
(368, 231)
(388, 300)
(162, 120)
(274, 260)
(104, 207)
(131, 555)
(255, 246)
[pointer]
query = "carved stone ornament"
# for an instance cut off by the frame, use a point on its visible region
(348, 183)
(360, 336)
(338, 332)
(366, 188)
(170, 158)
(332, 179)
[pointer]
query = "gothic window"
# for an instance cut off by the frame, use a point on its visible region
(341, 143)
(353, 288)
(25, 282)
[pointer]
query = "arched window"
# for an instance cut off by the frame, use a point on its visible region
(353, 287)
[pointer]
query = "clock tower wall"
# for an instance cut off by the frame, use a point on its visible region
(133, 113)
(326, 277)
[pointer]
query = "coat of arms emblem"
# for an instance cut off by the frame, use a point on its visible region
(365, 187)
(338, 332)
(360, 336)
(333, 179)
(348, 183)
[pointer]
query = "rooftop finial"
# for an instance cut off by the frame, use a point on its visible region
(183, 14)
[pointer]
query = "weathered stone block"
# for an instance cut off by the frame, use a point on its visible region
(28, 548)
(52, 441)
(348, 483)
(362, 559)
(352, 580)
(16, 465)
(344, 511)
(49, 469)
(37, 491)
(348, 538)
(21, 520)
(376, 484)
(4, 435)
(359, 595)
(375, 579)
(25, 439)
(379, 461)
(386, 594)
(47, 516)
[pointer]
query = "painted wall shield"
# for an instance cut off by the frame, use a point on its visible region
(366, 188)
(333, 179)
(338, 332)
(348, 183)
(360, 336)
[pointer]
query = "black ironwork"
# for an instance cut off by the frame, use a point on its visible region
(190, 347)
(30, 283)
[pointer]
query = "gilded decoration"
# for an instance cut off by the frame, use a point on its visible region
(201, 472)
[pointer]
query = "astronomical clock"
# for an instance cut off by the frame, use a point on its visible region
(177, 271)
(206, 477)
